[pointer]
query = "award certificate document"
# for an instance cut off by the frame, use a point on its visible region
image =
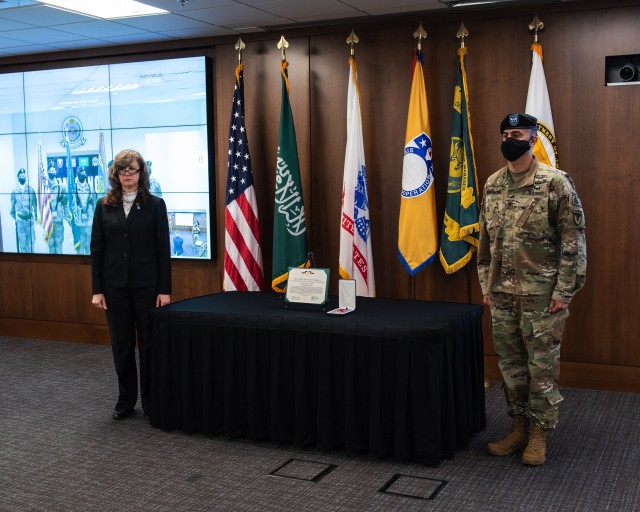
(307, 285)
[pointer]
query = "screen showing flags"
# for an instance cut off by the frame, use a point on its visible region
(71, 190)
(417, 228)
(44, 197)
(243, 253)
(356, 256)
(460, 230)
(538, 105)
(289, 224)
(101, 181)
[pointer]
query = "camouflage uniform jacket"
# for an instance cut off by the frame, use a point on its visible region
(532, 238)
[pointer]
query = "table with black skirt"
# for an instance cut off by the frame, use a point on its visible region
(393, 378)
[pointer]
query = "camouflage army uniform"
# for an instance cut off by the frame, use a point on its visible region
(154, 187)
(84, 203)
(532, 250)
(59, 212)
(24, 210)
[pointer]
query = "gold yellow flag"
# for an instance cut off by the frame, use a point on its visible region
(417, 227)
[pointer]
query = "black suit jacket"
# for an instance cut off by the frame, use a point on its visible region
(132, 251)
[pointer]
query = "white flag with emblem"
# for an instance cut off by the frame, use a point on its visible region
(538, 105)
(356, 257)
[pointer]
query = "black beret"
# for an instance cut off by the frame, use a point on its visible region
(21, 171)
(518, 121)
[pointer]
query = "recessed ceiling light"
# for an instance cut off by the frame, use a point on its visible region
(105, 9)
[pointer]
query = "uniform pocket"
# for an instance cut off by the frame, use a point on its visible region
(549, 322)
(527, 209)
(554, 397)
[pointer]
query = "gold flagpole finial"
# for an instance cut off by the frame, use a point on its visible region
(462, 33)
(420, 34)
(353, 40)
(534, 26)
(240, 46)
(283, 45)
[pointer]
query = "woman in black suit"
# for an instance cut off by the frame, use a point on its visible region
(131, 271)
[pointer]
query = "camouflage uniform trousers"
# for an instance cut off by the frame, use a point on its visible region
(526, 338)
(85, 239)
(56, 238)
(26, 233)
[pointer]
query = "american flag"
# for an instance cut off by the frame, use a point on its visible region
(44, 197)
(242, 250)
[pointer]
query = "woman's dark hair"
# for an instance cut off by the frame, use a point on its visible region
(121, 161)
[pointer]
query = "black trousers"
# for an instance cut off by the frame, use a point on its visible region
(128, 316)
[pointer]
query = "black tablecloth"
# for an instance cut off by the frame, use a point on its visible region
(395, 377)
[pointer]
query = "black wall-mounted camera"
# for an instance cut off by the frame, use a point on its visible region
(622, 70)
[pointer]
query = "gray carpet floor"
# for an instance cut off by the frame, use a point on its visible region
(61, 451)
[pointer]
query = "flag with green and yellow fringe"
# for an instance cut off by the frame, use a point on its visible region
(289, 223)
(460, 231)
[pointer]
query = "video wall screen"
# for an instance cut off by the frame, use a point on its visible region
(60, 129)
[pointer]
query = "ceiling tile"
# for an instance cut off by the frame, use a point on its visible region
(206, 31)
(7, 42)
(25, 50)
(41, 35)
(42, 16)
(6, 24)
(174, 6)
(79, 45)
(295, 10)
(99, 29)
(371, 6)
(238, 16)
(148, 37)
(163, 22)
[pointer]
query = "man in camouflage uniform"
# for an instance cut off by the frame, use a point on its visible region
(59, 212)
(24, 210)
(154, 184)
(532, 259)
(84, 204)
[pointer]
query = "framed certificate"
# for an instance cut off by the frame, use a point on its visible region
(307, 286)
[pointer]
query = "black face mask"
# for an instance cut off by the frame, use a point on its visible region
(82, 177)
(52, 175)
(512, 149)
(22, 181)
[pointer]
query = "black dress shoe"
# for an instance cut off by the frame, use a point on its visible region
(146, 416)
(120, 415)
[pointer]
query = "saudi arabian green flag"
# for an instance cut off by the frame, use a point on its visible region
(289, 226)
(460, 232)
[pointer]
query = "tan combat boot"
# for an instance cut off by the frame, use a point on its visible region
(536, 451)
(514, 440)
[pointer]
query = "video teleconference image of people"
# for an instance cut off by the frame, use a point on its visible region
(59, 130)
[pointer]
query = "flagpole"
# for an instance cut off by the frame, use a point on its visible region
(282, 46)
(462, 33)
(419, 34)
(353, 40)
(534, 26)
(240, 46)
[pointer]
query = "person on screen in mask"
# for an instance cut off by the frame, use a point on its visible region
(24, 210)
(154, 184)
(131, 272)
(532, 260)
(59, 205)
(84, 203)
(178, 242)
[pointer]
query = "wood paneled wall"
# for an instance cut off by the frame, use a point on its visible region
(595, 126)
